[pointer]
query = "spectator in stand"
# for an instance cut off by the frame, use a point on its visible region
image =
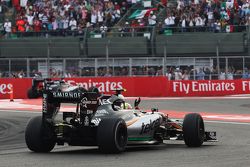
(169, 74)
(20, 23)
(159, 71)
(93, 17)
(178, 74)
(217, 26)
(65, 22)
(7, 28)
(183, 22)
(245, 8)
(169, 21)
(103, 30)
(30, 18)
(37, 26)
(210, 16)
(186, 75)
(230, 75)
(73, 25)
(200, 75)
(152, 19)
(222, 75)
(45, 20)
(245, 74)
(81, 26)
(21, 74)
(198, 23)
(117, 12)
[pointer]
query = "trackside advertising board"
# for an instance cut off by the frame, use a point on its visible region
(138, 86)
(208, 87)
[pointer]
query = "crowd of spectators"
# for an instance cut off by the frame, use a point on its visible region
(71, 17)
(207, 15)
(61, 17)
(204, 73)
(171, 72)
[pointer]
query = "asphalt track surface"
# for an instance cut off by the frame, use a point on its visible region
(232, 150)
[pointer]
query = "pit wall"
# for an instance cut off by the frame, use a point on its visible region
(138, 86)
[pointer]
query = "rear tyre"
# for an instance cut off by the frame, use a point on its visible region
(38, 136)
(112, 135)
(193, 130)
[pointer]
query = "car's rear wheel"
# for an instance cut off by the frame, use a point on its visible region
(193, 130)
(112, 135)
(39, 137)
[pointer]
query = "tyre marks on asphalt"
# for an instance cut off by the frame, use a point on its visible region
(11, 134)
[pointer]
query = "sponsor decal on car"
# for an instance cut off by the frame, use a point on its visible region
(152, 125)
(96, 121)
(44, 105)
(85, 102)
(102, 111)
(104, 101)
(66, 94)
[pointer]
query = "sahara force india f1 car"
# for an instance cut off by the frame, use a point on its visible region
(100, 121)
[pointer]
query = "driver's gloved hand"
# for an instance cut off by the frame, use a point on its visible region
(137, 102)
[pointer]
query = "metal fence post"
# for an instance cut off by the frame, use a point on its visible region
(48, 59)
(248, 31)
(9, 67)
(165, 58)
(130, 66)
(107, 57)
(28, 67)
(218, 57)
(64, 68)
(226, 68)
(96, 68)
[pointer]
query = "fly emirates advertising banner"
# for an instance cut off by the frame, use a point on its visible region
(138, 86)
(208, 87)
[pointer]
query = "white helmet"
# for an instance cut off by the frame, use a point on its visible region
(120, 96)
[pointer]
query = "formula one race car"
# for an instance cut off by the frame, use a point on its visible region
(36, 89)
(100, 120)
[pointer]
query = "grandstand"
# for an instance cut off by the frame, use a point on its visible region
(73, 38)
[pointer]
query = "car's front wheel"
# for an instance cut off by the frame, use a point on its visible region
(193, 130)
(112, 135)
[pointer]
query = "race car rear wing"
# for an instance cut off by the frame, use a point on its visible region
(87, 104)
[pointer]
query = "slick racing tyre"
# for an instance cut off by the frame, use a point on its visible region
(193, 130)
(112, 135)
(38, 136)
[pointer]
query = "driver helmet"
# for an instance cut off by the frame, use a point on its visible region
(119, 101)
(124, 105)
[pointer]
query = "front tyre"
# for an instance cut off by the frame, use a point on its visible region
(38, 136)
(193, 130)
(112, 135)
